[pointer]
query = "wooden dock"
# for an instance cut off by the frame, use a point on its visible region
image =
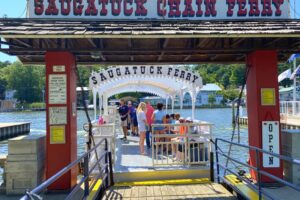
(207, 191)
(10, 130)
(287, 122)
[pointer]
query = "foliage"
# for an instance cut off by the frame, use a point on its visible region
(28, 81)
(3, 82)
(230, 94)
(37, 105)
(85, 73)
(136, 95)
(224, 75)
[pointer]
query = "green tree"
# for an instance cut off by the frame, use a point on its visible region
(85, 73)
(28, 81)
(3, 82)
(230, 94)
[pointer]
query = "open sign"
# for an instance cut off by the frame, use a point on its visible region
(270, 131)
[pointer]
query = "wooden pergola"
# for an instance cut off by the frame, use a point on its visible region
(148, 42)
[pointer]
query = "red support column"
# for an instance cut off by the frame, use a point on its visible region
(262, 76)
(61, 117)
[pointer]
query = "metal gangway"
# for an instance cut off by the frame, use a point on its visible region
(236, 175)
(91, 185)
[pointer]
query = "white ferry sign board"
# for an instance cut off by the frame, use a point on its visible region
(159, 9)
(114, 73)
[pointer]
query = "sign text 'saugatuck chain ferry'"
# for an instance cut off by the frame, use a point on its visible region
(160, 9)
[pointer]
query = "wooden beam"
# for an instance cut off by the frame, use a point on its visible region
(272, 42)
(187, 57)
(164, 45)
(237, 41)
(23, 43)
(156, 51)
(91, 41)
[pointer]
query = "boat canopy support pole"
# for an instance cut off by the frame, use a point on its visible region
(100, 104)
(105, 104)
(193, 95)
(95, 103)
(181, 100)
(173, 102)
(167, 100)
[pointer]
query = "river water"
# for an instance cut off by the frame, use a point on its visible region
(221, 118)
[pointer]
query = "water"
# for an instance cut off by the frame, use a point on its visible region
(221, 118)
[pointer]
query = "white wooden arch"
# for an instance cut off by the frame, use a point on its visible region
(164, 81)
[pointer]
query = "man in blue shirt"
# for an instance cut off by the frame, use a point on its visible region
(124, 114)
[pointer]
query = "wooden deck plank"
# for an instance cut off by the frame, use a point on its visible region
(127, 192)
(150, 191)
(142, 191)
(135, 192)
(162, 192)
(157, 191)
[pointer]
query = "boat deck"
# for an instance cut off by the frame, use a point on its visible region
(208, 191)
(128, 157)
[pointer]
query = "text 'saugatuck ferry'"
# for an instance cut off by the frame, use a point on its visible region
(146, 44)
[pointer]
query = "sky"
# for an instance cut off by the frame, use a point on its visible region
(17, 8)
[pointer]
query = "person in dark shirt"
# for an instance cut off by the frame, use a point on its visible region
(124, 114)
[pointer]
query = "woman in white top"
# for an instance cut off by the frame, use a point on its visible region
(142, 124)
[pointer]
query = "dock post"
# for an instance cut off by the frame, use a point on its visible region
(262, 106)
(233, 113)
(111, 174)
(61, 118)
(86, 174)
(212, 169)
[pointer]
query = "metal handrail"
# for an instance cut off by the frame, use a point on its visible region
(85, 179)
(256, 168)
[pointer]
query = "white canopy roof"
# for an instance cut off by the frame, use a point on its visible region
(164, 81)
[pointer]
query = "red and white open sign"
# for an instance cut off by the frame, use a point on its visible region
(270, 139)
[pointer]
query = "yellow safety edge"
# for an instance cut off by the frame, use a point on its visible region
(94, 190)
(242, 186)
(164, 182)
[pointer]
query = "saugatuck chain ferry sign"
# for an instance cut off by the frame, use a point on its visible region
(115, 73)
(159, 9)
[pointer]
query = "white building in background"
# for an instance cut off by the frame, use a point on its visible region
(286, 94)
(201, 100)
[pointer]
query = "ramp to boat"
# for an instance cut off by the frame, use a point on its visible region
(207, 191)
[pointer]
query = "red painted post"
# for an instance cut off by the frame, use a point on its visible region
(61, 117)
(262, 75)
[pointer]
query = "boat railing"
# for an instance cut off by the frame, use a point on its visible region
(290, 107)
(107, 131)
(257, 169)
(182, 144)
(104, 177)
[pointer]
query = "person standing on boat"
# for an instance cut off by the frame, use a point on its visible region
(124, 114)
(158, 118)
(142, 125)
(149, 114)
